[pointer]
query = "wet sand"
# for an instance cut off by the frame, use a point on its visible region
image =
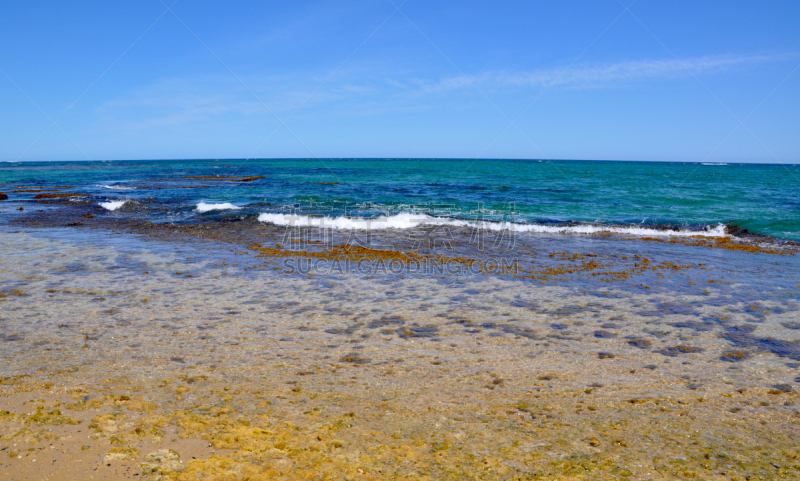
(127, 357)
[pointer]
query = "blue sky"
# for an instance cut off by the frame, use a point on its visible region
(713, 81)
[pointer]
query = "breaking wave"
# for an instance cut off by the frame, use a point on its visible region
(411, 220)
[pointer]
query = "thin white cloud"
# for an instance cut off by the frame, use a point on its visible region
(178, 101)
(604, 75)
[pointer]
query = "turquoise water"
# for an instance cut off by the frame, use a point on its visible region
(764, 199)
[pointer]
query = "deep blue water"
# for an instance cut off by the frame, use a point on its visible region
(762, 198)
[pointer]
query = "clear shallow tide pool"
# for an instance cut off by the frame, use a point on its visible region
(122, 289)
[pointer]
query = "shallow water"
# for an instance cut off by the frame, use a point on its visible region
(64, 288)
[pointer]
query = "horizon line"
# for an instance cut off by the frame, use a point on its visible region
(186, 159)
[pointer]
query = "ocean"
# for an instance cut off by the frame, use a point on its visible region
(534, 195)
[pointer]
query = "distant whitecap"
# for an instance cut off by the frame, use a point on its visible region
(205, 207)
(113, 204)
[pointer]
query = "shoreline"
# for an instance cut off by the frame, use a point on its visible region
(250, 229)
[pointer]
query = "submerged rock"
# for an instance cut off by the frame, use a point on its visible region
(160, 463)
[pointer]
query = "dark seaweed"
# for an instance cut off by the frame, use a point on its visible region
(677, 350)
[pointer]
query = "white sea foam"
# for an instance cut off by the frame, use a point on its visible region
(399, 221)
(203, 207)
(713, 163)
(113, 204)
(117, 187)
(411, 220)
